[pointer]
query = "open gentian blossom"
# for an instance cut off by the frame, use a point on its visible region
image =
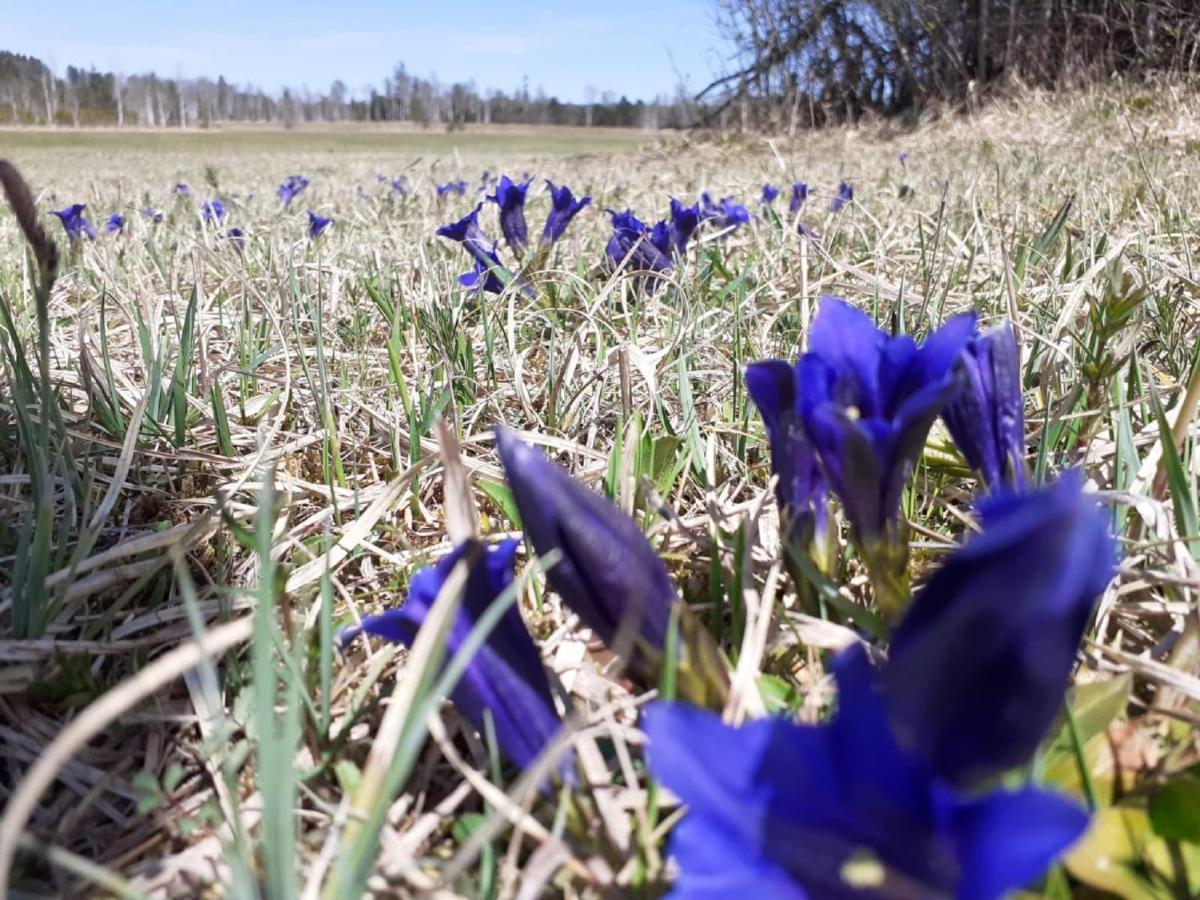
(451, 187)
(841, 811)
(800, 489)
(213, 211)
(153, 215)
(683, 224)
(505, 678)
(769, 193)
(987, 418)
(74, 224)
(291, 188)
(978, 665)
(510, 197)
(868, 402)
(632, 239)
(724, 213)
(482, 248)
(317, 224)
(799, 195)
(115, 223)
(845, 193)
(400, 186)
(182, 190)
(606, 572)
(563, 208)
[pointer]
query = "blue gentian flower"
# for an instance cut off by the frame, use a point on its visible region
(684, 221)
(563, 208)
(799, 195)
(769, 193)
(505, 679)
(213, 211)
(845, 193)
(481, 278)
(510, 197)
(380, 178)
(902, 156)
(868, 402)
(977, 667)
(801, 489)
(115, 223)
(451, 187)
(606, 572)
(631, 238)
(468, 233)
(293, 186)
(841, 811)
(400, 186)
(74, 223)
(182, 190)
(237, 237)
(987, 418)
(724, 214)
(153, 215)
(317, 224)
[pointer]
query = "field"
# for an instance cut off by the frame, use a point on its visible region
(235, 453)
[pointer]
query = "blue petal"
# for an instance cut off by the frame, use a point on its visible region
(1005, 614)
(607, 572)
(1008, 840)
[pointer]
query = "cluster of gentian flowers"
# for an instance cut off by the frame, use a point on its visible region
(655, 250)
(293, 186)
(910, 788)
(489, 272)
(77, 227)
(799, 194)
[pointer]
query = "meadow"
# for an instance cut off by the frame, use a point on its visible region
(221, 451)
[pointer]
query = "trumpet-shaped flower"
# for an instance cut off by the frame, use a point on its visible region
(607, 572)
(291, 188)
(986, 418)
(801, 489)
(769, 193)
(845, 193)
(505, 677)
(631, 238)
(182, 190)
(799, 195)
(841, 810)
(510, 197)
(451, 187)
(115, 223)
(978, 665)
(724, 213)
(482, 248)
(317, 224)
(683, 224)
(213, 211)
(563, 208)
(153, 215)
(868, 402)
(76, 226)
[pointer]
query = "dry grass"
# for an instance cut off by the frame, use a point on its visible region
(311, 375)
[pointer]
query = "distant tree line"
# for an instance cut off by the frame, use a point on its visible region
(30, 93)
(801, 63)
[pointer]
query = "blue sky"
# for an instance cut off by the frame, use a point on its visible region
(631, 47)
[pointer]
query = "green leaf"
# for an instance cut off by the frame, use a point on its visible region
(1175, 810)
(502, 496)
(1112, 852)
